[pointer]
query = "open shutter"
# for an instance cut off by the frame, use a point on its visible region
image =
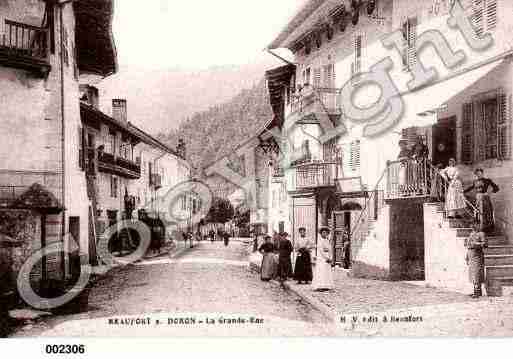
(412, 42)
(358, 53)
(317, 77)
(478, 16)
(82, 149)
(467, 132)
(491, 15)
(504, 127)
(355, 156)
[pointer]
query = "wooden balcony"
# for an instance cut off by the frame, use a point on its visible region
(119, 166)
(316, 100)
(408, 178)
(316, 175)
(25, 47)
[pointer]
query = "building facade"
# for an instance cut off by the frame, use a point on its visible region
(353, 180)
(45, 48)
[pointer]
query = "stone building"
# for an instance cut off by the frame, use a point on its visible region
(353, 180)
(46, 47)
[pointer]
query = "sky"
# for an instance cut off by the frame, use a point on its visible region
(197, 34)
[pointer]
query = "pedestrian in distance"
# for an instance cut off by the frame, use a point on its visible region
(226, 237)
(476, 243)
(284, 261)
(303, 268)
(323, 275)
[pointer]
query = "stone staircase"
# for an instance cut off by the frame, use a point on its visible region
(498, 256)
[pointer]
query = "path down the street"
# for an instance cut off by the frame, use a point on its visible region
(205, 291)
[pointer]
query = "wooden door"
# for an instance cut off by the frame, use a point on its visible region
(305, 215)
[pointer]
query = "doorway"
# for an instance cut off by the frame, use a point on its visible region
(444, 141)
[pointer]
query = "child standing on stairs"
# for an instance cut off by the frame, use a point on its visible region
(476, 243)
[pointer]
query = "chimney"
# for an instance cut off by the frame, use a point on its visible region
(119, 109)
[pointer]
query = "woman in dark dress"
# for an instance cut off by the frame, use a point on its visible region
(303, 268)
(284, 261)
(482, 186)
(476, 243)
(268, 269)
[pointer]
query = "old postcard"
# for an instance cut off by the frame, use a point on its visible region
(291, 168)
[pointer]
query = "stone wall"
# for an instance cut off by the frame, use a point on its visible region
(445, 253)
(20, 231)
(407, 239)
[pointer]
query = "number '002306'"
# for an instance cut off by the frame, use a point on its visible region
(65, 349)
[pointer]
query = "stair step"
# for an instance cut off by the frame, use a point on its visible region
(497, 241)
(499, 260)
(493, 272)
(499, 249)
(499, 286)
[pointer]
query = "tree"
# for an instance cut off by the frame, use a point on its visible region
(221, 211)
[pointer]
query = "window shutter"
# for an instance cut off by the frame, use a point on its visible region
(355, 156)
(491, 15)
(317, 77)
(81, 148)
(412, 42)
(478, 16)
(504, 127)
(467, 131)
(358, 53)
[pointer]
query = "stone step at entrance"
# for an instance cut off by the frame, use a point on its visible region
(498, 260)
(499, 249)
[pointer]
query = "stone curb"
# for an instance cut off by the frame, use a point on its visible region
(314, 302)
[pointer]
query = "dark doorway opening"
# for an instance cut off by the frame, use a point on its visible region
(444, 141)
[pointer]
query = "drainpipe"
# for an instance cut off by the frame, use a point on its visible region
(63, 135)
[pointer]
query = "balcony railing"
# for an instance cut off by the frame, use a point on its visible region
(24, 46)
(315, 175)
(107, 162)
(408, 178)
(326, 98)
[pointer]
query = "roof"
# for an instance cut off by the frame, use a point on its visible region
(38, 198)
(96, 50)
(267, 126)
(150, 140)
(89, 113)
(299, 18)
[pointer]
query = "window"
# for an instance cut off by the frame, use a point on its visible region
(484, 16)
(410, 43)
(114, 187)
(306, 76)
(486, 129)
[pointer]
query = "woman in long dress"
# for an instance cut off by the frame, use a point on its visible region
(323, 274)
(284, 260)
(404, 157)
(303, 269)
(476, 243)
(454, 199)
(482, 187)
(268, 269)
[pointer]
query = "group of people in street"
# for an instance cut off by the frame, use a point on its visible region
(277, 259)
(219, 235)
